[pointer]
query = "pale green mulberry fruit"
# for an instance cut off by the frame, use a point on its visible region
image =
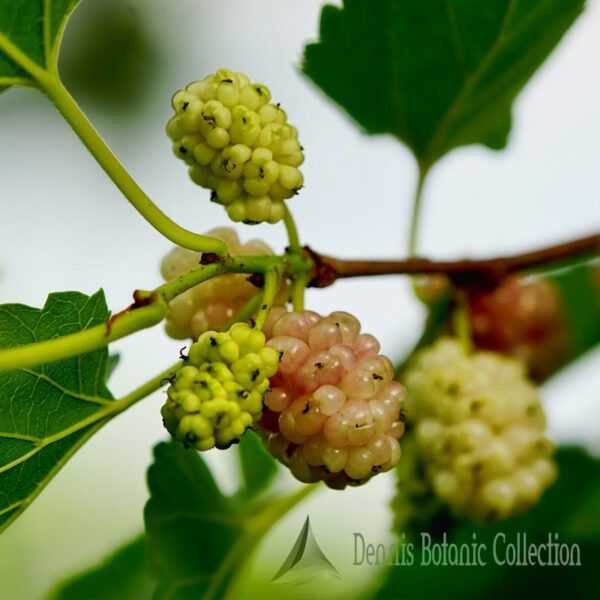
(218, 394)
(237, 144)
(479, 426)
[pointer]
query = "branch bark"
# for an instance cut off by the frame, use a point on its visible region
(487, 272)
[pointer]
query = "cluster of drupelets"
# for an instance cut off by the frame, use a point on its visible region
(479, 427)
(333, 411)
(316, 388)
(218, 394)
(237, 144)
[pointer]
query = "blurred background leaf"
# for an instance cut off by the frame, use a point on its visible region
(257, 465)
(199, 539)
(109, 56)
(437, 74)
(569, 508)
(192, 528)
(191, 525)
(578, 284)
(121, 576)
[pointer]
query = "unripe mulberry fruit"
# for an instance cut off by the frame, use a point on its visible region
(333, 412)
(214, 303)
(218, 394)
(237, 144)
(524, 318)
(479, 427)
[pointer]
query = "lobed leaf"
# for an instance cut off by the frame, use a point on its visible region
(437, 74)
(48, 412)
(199, 539)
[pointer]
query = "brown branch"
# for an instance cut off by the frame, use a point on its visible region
(462, 273)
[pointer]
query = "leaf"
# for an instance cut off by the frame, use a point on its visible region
(120, 576)
(437, 74)
(578, 284)
(48, 412)
(111, 58)
(190, 524)
(30, 34)
(199, 539)
(112, 364)
(562, 510)
(257, 465)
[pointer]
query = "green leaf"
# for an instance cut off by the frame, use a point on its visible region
(111, 58)
(198, 539)
(257, 465)
(112, 364)
(437, 74)
(48, 412)
(122, 575)
(30, 34)
(570, 509)
(578, 285)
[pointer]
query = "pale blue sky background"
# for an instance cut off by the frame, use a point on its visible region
(64, 226)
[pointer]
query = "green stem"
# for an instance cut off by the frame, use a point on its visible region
(269, 292)
(71, 111)
(461, 322)
(231, 264)
(152, 313)
(416, 212)
(144, 390)
(297, 292)
(247, 311)
(82, 341)
(292, 232)
(177, 286)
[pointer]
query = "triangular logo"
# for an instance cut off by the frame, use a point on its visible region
(305, 560)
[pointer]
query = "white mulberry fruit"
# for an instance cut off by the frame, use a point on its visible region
(333, 411)
(237, 144)
(213, 303)
(218, 394)
(479, 426)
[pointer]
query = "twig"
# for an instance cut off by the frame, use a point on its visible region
(463, 272)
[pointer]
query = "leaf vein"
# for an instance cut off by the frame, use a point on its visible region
(469, 84)
(76, 395)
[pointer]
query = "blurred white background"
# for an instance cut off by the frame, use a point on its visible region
(64, 226)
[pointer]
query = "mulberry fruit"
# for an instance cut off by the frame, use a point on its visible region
(237, 144)
(523, 318)
(479, 427)
(333, 412)
(218, 394)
